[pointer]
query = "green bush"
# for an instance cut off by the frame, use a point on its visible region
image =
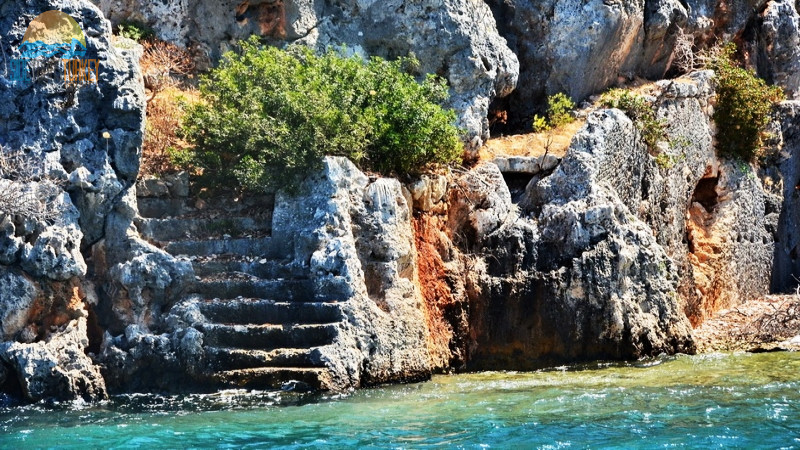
(640, 112)
(744, 104)
(135, 30)
(559, 113)
(269, 115)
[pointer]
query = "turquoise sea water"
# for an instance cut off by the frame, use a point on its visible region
(723, 400)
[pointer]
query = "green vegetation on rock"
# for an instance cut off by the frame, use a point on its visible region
(269, 115)
(640, 111)
(744, 104)
(559, 113)
(135, 31)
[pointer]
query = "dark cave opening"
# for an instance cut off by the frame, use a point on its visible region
(706, 193)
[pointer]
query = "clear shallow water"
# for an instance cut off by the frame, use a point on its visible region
(740, 401)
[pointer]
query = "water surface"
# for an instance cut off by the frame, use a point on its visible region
(721, 400)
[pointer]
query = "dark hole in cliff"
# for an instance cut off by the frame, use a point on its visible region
(11, 388)
(517, 182)
(706, 193)
(94, 332)
(504, 120)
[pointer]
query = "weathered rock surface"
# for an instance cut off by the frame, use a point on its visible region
(361, 242)
(81, 176)
(584, 279)
(17, 295)
(140, 361)
(57, 368)
(778, 58)
(570, 46)
(782, 178)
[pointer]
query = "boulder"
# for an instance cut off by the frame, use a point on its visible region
(17, 296)
(58, 368)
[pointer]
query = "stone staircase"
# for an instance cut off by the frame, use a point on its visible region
(263, 325)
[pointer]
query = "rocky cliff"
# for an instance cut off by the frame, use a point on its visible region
(612, 252)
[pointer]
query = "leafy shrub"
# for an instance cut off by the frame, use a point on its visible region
(269, 116)
(135, 30)
(559, 113)
(744, 104)
(639, 110)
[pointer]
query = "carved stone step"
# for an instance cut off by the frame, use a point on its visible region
(285, 378)
(255, 311)
(262, 247)
(268, 337)
(174, 229)
(277, 289)
(224, 358)
(183, 207)
(259, 267)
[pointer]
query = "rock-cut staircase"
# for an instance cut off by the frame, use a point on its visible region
(263, 327)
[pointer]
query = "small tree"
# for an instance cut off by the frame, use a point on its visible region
(559, 113)
(269, 115)
(744, 104)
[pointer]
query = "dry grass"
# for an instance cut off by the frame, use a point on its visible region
(165, 112)
(168, 72)
(164, 65)
(555, 142)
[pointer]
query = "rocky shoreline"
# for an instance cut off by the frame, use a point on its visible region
(767, 324)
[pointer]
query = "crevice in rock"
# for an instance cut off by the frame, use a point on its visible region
(705, 249)
(706, 193)
(93, 332)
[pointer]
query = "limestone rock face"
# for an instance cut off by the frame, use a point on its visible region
(780, 43)
(65, 130)
(782, 179)
(141, 361)
(81, 175)
(361, 245)
(581, 48)
(17, 295)
(584, 277)
(57, 368)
